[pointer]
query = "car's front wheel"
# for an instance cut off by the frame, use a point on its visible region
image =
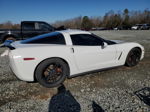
(51, 72)
(133, 57)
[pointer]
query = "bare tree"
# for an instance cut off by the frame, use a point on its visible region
(109, 20)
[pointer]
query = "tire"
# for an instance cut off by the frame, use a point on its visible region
(133, 57)
(51, 72)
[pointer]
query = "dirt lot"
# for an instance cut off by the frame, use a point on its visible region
(112, 90)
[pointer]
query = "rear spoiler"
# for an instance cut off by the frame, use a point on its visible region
(7, 43)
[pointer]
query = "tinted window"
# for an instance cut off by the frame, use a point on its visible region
(45, 27)
(86, 40)
(28, 26)
(50, 38)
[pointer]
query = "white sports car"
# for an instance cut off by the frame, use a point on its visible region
(52, 57)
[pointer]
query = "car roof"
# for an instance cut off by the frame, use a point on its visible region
(74, 31)
(71, 32)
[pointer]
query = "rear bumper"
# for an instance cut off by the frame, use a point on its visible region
(14, 74)
(20, 69)
(13, 67)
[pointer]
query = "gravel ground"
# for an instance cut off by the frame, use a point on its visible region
(113, 90)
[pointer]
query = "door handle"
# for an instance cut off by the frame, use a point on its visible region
(72, 49)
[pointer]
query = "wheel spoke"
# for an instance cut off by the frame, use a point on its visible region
(53, 73)
(134, 57)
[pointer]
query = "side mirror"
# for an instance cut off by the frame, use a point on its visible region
(104, 45)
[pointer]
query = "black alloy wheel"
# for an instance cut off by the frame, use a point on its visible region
(51, 72)
(133, 57)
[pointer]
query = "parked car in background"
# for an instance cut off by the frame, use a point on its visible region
(122, 28)
(28, 29)
(141, 27)
(51, 58)
(136, 27)
(99, 28)
(145, 27)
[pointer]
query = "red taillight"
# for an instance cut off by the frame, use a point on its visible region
(26, 59)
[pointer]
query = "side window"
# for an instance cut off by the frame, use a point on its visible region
(28, 26)
(45, 27)
(53, 39)
(86, 40)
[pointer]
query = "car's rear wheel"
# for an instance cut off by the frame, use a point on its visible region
(133, 57)
(51, 72)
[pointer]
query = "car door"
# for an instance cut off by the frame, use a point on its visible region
(89, 54)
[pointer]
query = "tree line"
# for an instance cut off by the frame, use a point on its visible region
(9, 25)
(110, 20)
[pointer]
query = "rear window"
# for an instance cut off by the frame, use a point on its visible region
(50, 38)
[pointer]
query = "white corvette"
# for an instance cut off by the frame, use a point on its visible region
(52, 57)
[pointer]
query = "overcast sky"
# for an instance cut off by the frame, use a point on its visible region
(53, 10)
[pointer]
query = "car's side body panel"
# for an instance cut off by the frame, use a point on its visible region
(25, 68)
(79, 58)
(124, 48)
(94, 57)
